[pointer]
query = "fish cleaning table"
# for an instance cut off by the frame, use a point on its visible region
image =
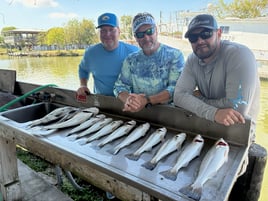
(125, 178)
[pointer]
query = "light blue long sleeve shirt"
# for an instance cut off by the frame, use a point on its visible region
(150, 74)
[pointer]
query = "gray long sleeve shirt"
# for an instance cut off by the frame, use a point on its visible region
(230, 80)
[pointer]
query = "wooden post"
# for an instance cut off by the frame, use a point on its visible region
(248, 186)
(9, 179)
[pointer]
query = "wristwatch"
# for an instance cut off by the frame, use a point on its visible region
(148, 104)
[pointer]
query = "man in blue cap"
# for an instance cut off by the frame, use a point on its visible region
(104, 60)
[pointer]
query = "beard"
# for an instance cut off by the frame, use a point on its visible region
(205, 50)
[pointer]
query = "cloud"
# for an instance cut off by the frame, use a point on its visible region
(62, 15)
(36, 3)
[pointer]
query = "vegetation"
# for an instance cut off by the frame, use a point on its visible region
(239, 8)
(88, 193)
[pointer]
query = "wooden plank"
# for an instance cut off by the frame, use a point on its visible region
(9, 179)
(7, 80)
(73, 163)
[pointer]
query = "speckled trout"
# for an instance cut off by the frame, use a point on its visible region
(109, 128)
(191, 151)
(211, 163)
(78, 118)
(86, 124)
(119, 132)
(167, 148)
(55, 115)
(137, 133)
(97, 126)
(155, 138)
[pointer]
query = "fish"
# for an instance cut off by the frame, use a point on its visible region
(78, 118)
(167, 148)
(86, 124)
(214, 159)
(190, 151)
(119, 132)
(154, 138)
(137, 133)
(54, 115)
(97, 126)
(104, 131)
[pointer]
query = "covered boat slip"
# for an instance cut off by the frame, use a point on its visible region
(125, 178)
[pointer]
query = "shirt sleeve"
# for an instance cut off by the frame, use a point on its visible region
(183, 94)
(175, 72)
(83, 69)
(123, 82)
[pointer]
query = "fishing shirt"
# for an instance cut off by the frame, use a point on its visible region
(104, 65)
(151, 74)
(230, 80)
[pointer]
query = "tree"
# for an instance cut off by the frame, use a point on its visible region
(240, 8)
(125, 27)
(55, 36)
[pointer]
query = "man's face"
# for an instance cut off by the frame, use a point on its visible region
(204, 42)
(146, 36)
(109, 36)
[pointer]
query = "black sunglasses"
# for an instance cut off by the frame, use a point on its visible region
(148, 32)
(193, 38)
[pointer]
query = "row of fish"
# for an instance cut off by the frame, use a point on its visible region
(88, 121)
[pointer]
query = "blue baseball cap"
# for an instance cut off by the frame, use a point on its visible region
(108, 19)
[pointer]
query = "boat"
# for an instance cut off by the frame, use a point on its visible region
(124, 178)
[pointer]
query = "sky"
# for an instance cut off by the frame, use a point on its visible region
(45, 14)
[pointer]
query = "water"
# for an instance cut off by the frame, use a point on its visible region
(62, 71)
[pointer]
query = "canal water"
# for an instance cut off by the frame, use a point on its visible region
(62, 71)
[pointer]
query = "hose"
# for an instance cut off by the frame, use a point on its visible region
(4, 107)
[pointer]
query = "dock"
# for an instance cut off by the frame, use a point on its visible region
(36, 188)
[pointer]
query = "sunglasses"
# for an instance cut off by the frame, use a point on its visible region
(193, 38)
(148, 32)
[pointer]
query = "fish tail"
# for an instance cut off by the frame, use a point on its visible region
(149, 165)
(133, 157)
(191, 192)
(168, 174)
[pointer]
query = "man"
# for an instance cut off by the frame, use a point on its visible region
(149, 76)
(104, 60)
(225, 74)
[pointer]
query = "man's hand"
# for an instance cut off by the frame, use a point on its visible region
(228, 117)
(83, 90)
(135, 102)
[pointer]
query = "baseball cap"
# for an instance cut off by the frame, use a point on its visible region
(201, 21)
(141, 19)
(109, 19)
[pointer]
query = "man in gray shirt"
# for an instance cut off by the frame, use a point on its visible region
(220, 80)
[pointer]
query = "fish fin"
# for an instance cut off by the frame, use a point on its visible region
(83, 142)
(100, 145)
(169, 175)
(148, 165)
(190, 192)
(133, 157)
(115, 151)
(73, 138)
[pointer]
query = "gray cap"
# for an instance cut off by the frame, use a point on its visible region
(201, 21)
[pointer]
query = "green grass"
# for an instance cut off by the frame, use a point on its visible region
(89, 192)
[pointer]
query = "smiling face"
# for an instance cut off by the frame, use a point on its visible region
(205, 43)
(109, 37)
(148, 42)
